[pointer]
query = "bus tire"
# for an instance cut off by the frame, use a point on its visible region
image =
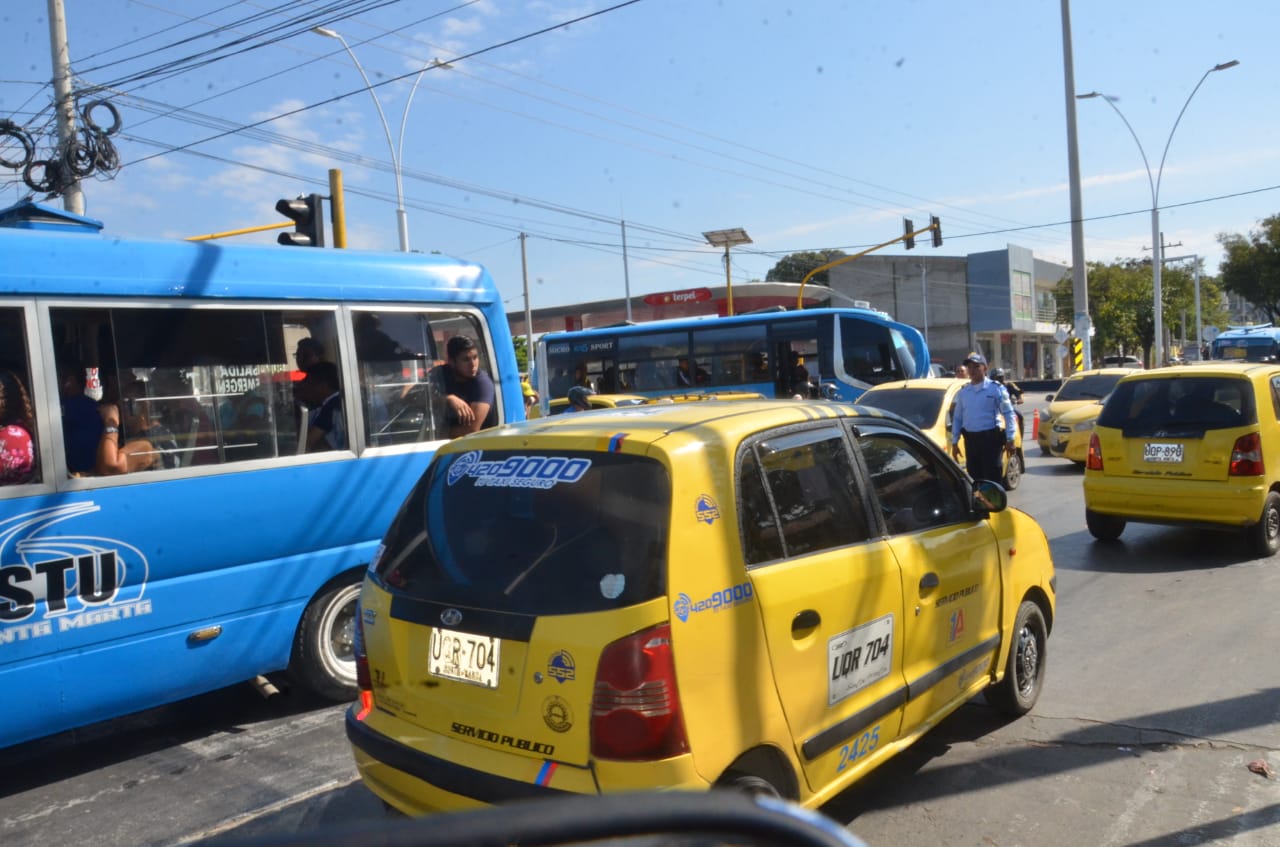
(323, 659)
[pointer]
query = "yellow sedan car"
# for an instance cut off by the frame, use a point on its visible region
(930, 405)
(1072, 431)
(771, 596)
(599, 401)
(1079, 389)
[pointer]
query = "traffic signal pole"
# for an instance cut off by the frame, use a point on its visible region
(935, 227)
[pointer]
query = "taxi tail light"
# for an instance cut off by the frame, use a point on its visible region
(635, 710)
(1094, 462)
(1246, 456)
(363, 680)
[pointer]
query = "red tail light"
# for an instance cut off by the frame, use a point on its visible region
(1246, 456)
(1094, 462)
(635, 712)
(362, 667)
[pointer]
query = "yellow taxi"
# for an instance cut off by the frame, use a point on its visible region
(930, 405)
(1197, 446)
(1079, 389)
(1072, 432)
(772, 596)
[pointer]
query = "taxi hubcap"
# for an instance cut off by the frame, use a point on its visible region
(1028, 660)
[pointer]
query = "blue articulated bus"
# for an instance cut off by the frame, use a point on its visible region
(835, 353)
(227, 542)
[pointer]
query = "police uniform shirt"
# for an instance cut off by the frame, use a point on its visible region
(978, 408)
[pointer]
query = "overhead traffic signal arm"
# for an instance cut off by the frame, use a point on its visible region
(307, 214)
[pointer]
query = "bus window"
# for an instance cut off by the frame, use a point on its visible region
(19, 456)
(655, 358)
(396, 352)
(213, 385)
(732, 355)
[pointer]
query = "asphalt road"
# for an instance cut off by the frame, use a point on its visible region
(1163, 685)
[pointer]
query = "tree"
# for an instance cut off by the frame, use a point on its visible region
(522, 353)
(1121, 305)
(794, 267)
(1252, 266)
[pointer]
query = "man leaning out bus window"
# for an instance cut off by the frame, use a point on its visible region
(469, 393)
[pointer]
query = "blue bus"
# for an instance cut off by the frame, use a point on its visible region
(835, 353)
(234, 543)
(1254, 343)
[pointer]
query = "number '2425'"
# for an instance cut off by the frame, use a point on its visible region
(860, 747)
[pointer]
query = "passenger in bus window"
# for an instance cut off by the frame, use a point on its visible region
(147, 443)
(17, 421)
(326, 426)
(81, 423)
(185, 417)
(469, 394)
(308, 353)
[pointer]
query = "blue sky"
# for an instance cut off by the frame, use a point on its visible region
(811, 125)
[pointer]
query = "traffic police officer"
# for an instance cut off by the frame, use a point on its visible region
(979, 407)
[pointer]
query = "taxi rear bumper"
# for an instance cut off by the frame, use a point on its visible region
(1236, 503)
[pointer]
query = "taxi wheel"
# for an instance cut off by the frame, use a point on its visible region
(323, 658)
(1103, 527)
(1265, 535)
(1013, 472)
(1017, 693)
(749, 783)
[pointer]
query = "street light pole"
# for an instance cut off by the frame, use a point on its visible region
(397, 152)
(1154, 182)
(726, 238)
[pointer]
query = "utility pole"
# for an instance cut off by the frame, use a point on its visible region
(626, 274)
(528, 311)
(1079, 270)
(64, 104)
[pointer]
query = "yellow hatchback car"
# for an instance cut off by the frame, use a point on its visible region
(930, 404)
(1197, 446)
(1079, 389)
(771, 596)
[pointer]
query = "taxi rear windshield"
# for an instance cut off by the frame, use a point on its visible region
(1187, 405)
(918, 405)
(530, 532)
(1093, 387)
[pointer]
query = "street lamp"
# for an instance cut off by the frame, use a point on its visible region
(1156, 246)
(726, 238)
(397, 152)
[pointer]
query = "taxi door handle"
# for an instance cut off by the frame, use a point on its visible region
(929, 580)
(804, 623)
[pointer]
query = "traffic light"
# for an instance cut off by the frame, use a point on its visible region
(307, 214)
(1077, 354)
(908, 227)
(936, 226)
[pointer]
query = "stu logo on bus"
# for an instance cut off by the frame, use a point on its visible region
(56, 583)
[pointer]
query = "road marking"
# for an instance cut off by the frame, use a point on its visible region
(243, 818)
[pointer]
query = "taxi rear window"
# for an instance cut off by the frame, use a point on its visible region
(918, 405)
(1189, 404)
(1093, 387)
(532, 532)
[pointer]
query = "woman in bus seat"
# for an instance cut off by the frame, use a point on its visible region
(17, 448)
(145, 444)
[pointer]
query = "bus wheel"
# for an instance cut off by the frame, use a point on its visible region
(323, 659)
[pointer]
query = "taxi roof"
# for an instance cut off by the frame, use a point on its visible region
(727, 421)
(1219, 367)
(937, 383)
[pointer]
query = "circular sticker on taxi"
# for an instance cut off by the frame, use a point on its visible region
(557, 714)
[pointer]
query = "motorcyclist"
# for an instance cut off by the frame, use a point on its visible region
(1015, 393)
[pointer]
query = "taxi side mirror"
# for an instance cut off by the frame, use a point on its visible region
(989, 496)
(1048, 398)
